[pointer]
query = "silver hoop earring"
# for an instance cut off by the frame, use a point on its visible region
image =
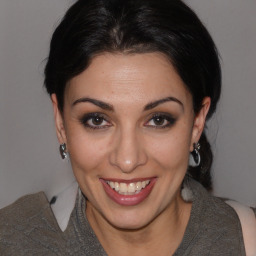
(63, 151)
(195, 158)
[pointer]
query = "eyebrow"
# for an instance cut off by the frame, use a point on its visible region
(161, 101)
(98, 103)
(110, 107)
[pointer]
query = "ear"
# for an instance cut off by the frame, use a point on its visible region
(59, 124)
(199, 122)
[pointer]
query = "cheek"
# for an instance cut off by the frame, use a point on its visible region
(86, 152)
(171, 151)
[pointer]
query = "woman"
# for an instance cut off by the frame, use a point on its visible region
(132, 84)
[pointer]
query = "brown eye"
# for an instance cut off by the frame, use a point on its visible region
(160, 121)
(98, 120)
(95, 121)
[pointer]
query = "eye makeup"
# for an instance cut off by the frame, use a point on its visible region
(95, 121)
(161, 121)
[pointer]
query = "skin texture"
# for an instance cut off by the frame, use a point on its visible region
(130, 144)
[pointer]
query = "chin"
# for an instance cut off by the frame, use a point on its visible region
(129, 224)
(131, 219)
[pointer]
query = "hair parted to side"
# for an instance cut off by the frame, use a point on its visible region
(139, 26)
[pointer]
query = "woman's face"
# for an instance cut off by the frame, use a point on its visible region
(129, 126)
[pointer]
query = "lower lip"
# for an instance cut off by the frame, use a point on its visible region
(128, 200)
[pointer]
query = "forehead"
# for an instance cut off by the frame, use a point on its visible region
(128, 78)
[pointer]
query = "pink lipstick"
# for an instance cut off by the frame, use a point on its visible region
(130, 192)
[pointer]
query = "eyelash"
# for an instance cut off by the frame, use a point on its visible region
(92, 116)
(165, 118)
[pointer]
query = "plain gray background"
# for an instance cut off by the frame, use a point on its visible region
(29, 157)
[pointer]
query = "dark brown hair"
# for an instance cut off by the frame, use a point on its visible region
(138, 26)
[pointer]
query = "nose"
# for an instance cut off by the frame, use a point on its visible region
(128, 152)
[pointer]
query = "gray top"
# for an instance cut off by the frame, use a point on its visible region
(28, 227)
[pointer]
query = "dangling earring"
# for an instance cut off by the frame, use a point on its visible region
(195, 158)
(63, 151)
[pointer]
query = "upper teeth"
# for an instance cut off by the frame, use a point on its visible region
(128, 188)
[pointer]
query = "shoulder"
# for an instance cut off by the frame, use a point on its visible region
(223, 218)
(213, 208)
(26, 210)
(26, 223)
(218, 226)
(26, 205)
(248, 222)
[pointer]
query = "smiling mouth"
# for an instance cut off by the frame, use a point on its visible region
(132, 188)
(128, 193)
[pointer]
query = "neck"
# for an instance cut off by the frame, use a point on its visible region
(161, 236)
